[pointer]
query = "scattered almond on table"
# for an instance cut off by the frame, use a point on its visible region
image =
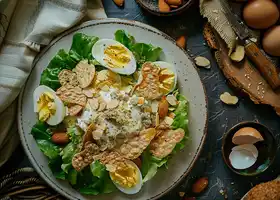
(181, 42)
(119, 2)
(202, 62)
(200, 185)
(228, 99)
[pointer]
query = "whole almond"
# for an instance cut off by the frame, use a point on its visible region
(138, 162)
(181, 42)
(174, 2)
(60, 138)
(119, 2)
(163, 108)
(163, 6)
(200, 185)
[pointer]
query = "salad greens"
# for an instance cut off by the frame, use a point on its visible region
(95, 179)
(150, 164)
(81, 46)
(142, 52)
(80, 50)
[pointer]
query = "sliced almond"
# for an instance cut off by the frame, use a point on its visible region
(112, 104)
(202, 62)
(74, 110)
(228, 99)
(171, 100)
(172, 115)
(89, 92)
(102, 104)
(94, 104)
(154, 106)
(119, 2)
(168, 120)
(238, 54)
(157, 119)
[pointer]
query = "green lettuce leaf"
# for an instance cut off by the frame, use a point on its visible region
(181, 120)
(94, 180)
(81, 46)
(70, 149)
(54, 165)
(41, 131)
(50, 149)
(142, 52)
(145, 52)
(62, 60)
(150, 164)
(124, 38)
(97, 169)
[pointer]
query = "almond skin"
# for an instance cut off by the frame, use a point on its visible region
(119, 2)
(181, 42)
(138, 162)
(174, 2)
(200, 185)
(60, 138)
(163, 6)
(163, 108)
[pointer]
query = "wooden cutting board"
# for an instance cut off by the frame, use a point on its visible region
(242, 75)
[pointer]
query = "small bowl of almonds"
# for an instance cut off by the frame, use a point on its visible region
(165, 7)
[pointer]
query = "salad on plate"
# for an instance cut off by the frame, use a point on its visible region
(109, 114)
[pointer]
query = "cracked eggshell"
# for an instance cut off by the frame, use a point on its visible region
(247, 147)
(242, 159)
(247, 135)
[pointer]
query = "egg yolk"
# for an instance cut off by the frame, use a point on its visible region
(167, 80)
(107, 78)
(125, 175)
(46, 106)
(116, 56)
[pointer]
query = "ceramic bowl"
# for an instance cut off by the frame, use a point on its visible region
(267, 149)
(152, 7)
(189, 84)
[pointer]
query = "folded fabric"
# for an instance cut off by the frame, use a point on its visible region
(25, 27)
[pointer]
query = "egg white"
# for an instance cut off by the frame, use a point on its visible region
(60, 108)
(98, 53)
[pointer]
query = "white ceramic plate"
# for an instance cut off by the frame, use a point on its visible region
(189, 83)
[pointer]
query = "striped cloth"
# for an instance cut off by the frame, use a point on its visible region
(25, 27)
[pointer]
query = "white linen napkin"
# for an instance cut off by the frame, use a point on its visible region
(26, 26)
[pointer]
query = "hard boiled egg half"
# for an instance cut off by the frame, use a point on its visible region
(167, 77)
(114, 56)
(48, 105)
(127, 177)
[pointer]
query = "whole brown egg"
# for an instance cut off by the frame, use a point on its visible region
(260, 14)
(271, 41)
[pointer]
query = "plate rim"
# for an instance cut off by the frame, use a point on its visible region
(141, 25)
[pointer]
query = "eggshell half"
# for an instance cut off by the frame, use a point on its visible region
(247, 147)
(247, 135)
(242, 159)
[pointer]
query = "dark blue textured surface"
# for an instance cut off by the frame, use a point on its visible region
(221, 117)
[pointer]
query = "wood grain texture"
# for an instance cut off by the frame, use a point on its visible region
(264, 65)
